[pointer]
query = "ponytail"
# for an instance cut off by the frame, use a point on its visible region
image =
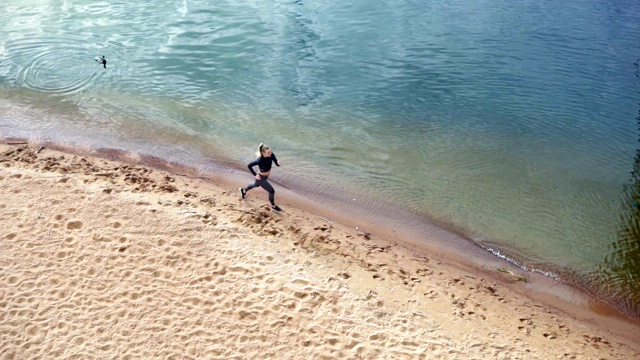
(262, 148)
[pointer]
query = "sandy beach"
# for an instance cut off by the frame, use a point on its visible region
(106, 255)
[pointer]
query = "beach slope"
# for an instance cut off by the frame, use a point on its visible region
(122, 257)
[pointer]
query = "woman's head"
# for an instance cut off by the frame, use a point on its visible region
(264, 150)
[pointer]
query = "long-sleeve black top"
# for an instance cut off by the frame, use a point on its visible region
(264, 164)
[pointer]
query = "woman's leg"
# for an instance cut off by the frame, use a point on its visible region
(272, 193)
(265, 185)
(243, 191)
(251, 186)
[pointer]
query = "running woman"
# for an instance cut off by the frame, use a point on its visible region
(264, 162)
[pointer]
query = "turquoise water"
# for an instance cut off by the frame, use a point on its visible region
(515, 123)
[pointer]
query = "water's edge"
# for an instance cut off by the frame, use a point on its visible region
(436, 240)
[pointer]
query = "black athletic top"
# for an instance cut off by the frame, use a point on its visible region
(264, 164)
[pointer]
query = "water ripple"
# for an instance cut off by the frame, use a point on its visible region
(55, 66)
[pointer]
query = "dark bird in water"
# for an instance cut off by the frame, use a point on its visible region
(102, 60)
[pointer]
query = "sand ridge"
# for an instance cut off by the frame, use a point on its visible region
(112, 259)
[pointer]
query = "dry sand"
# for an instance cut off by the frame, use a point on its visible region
(104, 259)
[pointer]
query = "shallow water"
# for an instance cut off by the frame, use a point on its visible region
(514, 123)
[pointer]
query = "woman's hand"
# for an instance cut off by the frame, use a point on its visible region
(258, 177)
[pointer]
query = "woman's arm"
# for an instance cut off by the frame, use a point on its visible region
(275, 160)
(251, 165)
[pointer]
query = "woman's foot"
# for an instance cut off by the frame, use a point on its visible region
(244, 193)
(276, 208)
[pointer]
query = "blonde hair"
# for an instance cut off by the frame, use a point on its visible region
(262, 148)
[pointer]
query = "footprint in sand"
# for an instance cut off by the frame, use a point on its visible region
(70, 242)
(74, 225)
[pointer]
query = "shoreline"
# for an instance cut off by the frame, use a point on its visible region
(473, 266)
(419, 229)
(455, 246)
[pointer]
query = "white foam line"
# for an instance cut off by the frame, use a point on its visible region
(508, 259)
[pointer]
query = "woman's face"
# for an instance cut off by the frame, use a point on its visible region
(266, 153)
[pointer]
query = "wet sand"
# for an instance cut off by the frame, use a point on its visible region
(112, 255)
